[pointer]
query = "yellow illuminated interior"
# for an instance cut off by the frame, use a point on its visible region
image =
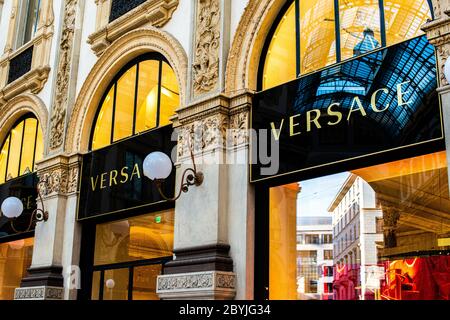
(355, 17)
(22, 148)
(147, 102)
(136, 111)
(103, 126)
(144, 282)
(404, 18)
(280, 64)
(317, 35)
(170, 95)
(15, 259)
(124, 110)
(138, 238)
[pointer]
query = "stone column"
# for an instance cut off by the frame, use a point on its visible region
(438, 33)
(214, 222)
(54, 240)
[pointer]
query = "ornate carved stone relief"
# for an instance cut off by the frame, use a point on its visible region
(58, 176)
(39, 293)
(59, 108)
(207, 45)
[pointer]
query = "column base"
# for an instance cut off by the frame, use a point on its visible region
(39, 293)
(209, 285)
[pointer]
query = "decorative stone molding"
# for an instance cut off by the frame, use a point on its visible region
(35, 79)
(154, 13)
(246, 48)
(19, 106)
(39, 293)
(207, 47)
(219, 122)
(58, 175)
(60, 103)
(124, 49)
(210, 284)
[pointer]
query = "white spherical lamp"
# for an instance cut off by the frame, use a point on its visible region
(12, 207)
(110, 284)
(157, 166)
(447, 70)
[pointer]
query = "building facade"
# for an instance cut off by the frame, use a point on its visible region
(89, 88)
(315, 258)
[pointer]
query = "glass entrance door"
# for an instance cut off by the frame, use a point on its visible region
(129, 255)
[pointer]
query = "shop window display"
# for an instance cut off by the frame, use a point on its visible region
(403, 248)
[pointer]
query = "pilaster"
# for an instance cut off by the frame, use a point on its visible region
(53, 252)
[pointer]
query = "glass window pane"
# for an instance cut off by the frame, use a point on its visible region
(15, 259)
(124, 111)
(116, 284)
(317, 34)
(359, 27)
(395, 246)
(147, 102)
(138, 238)
(39, 145)
(4, 160)
(29, 138)
(144, 282)
(404, 19)
(95, 293)
(170, 95)
(103, 125)
(31, 21)
(14, 152)
(280, 64)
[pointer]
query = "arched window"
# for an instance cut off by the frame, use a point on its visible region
(312, 34)
(21, 149)
(143, 96)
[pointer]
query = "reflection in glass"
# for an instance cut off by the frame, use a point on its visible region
(317, 35)
(280, 64)
(138, 238)
(95, 292)
(170, 96)
(124, 109)
(404, 19)
(359, 27)
(115, 286)
(391, 234)
(15, 150)
(15, 259)
(147, 101)
(144, 282)
(103, 125)
(29, 137)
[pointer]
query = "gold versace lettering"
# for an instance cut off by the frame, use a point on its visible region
(115, 177)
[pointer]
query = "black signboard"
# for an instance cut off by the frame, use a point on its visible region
(113, 180)
(24, 188)
(378, 107)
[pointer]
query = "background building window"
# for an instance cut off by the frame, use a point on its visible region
(21, 149)
(143, 96)
(328, 254)
(330, 31)
(28, 21)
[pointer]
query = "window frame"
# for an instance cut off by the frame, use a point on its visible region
(155, 56)
(22, 21)
(8, 138)
(296, 3)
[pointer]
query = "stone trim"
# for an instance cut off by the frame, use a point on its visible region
(210, 284)
(58, 175)
(39, 293)
(35, 79)
(153, 12)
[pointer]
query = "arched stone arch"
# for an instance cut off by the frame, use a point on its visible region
(19, 106)
(249, 39)
(254, 26)
(124, 49)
